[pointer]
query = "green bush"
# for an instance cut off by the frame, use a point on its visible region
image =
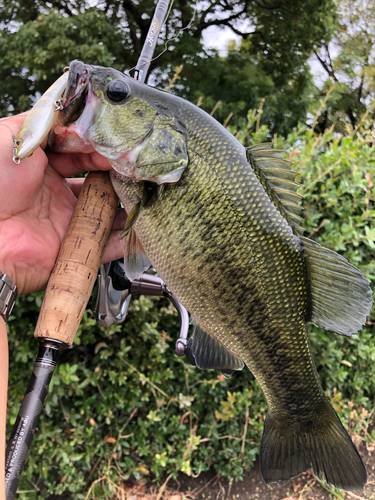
(122, 404)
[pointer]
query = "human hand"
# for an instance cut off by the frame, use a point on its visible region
(36, 204)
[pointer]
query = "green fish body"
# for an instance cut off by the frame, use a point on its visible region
(219, 223)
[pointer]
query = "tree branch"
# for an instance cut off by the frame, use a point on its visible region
(326, 67)
(351, 116)
(60, 6)
(244, 35)
(203, 24)
(268, 7)
(134, 18)
(204, 14)
(360, 88)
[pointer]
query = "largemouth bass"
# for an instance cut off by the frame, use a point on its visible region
(220, 225)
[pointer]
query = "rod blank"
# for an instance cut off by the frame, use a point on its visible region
(28, 416)
(148, 49)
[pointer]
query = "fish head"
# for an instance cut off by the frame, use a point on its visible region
(107, 111)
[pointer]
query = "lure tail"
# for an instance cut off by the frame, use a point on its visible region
(325, 447)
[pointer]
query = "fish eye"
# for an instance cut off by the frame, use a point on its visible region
(117, 91)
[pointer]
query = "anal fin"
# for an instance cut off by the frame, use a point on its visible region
(206, 352)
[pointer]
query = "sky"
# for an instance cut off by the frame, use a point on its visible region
(217, 38)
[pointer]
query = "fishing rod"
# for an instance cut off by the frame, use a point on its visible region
(144, 61)
(70, 286)
(114, 289)
(68, 291)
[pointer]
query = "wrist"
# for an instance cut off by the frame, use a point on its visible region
(8, 295)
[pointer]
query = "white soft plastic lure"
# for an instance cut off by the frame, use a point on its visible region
(40, 120)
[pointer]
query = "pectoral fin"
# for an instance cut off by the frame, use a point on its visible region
(135, 259)
(132, 218)
(341, 297)
(148, 194)
(205, 352)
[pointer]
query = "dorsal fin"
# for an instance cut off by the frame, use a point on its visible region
(278, 180)
(341, 297)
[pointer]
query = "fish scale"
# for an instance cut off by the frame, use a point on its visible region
(261, 326)
(220, 224)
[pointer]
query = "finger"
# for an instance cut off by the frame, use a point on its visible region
(9, 128)
(75, 185)
(120, 219)
(14, 123)
(25, 178)
(114, 249)
(69, 164)
(44, 142)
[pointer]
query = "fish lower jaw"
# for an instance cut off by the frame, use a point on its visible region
(169, 177)
(65, 140)
(75, 137)
(130, 171)
(125, 169)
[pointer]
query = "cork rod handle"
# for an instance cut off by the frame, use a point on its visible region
(74, 274)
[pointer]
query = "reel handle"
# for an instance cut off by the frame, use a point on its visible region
(76, 268)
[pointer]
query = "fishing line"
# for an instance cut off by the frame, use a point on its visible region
(16, 143)
(11, 131)
(168, 12)
(174, 38)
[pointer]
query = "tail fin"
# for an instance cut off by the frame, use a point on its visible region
(326, 448)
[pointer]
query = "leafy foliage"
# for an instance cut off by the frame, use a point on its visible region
(34, 56)
(122, 404)
(39, 38)
(349, 66)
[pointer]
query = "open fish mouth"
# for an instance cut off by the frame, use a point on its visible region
(75, 117)
(74, 100)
